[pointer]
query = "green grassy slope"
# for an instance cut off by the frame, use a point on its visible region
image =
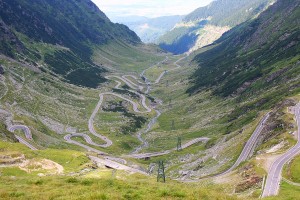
(49, 107)
(121, 57)
(77, 26)
(91, 184)
(5, 134)
(258, 60)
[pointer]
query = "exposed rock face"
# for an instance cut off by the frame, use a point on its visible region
(9, 41)
(1, 70)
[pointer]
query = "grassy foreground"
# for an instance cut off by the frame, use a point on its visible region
(93, 184)
(106, 188)
(287, 192)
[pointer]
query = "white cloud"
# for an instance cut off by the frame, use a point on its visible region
(149, 8)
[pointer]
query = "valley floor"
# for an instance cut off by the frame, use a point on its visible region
(131, 123)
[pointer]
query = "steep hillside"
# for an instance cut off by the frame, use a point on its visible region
(269, 45)
(5, 135)
(151, 29)
(71, 28)
(212, 20)
(48, 51)
(257, 61)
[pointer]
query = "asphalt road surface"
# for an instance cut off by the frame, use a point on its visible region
(274, 176)
(139, 135)
(186, 145)
(250, 145)
(25, 129)
(27, 133)
(115, 165)
(68, 138)
(246, 152)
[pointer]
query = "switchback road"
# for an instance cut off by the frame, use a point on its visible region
(250, 145)
(274, 175)
(112, 164)
(27, 133)
(246, 152)
(186, 145)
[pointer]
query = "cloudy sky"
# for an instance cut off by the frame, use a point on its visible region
(149, 8)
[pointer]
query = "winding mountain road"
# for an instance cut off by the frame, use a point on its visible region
(274, 176)
(138, 86)
(246, 152)
(27, 133)
(24, 128)
(92, 128)
(139, 135)
(135, 78)
(127, 81)
(135, 106)
(115, 165)
(132, 86)
(142, 74)
(108, 160)
(163, 73)
(96, 110)
(186, 145)
(87, 138)
(250, 145)
(22, 141)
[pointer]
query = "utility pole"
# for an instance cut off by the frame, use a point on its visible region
(161, 172)
(179, 147)
(173, 125)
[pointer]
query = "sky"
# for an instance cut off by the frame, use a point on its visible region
(148, 8)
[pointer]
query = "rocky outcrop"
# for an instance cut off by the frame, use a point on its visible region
(1, 70)
(11, 160)
(9, 41)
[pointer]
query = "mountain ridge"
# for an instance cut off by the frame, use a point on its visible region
(76, 25)
(224, 14)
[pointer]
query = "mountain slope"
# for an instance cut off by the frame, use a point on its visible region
(74, 25)
(219, 16)
(258, 61)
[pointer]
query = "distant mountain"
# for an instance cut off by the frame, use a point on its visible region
(150, 29)
(128, 19)
(257, 60)
(206, 24)
(72, 27)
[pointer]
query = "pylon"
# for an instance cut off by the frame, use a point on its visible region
(173, 125)
(179, 147)
(161, 172)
